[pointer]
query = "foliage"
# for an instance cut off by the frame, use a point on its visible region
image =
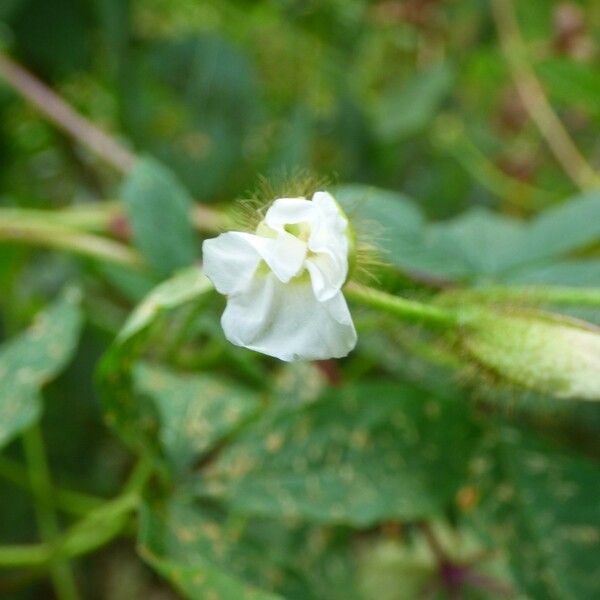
(453, 454)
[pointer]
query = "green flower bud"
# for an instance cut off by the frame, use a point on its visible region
(541, 351)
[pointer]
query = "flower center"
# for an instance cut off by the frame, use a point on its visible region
(299, 230)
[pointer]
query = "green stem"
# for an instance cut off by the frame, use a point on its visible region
(66, 238)
(529, 295)
(61, 574)
(410, 311)
(101, 217)
(68, 501)
(99, 527)
(25, 555)
(97, 217)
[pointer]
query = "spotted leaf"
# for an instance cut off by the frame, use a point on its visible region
(541, 504)
(195, 411)
(128, 413)
(32, 359)
(357, 456)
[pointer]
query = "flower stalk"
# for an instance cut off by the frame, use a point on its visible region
(410, 311)
(524, 295)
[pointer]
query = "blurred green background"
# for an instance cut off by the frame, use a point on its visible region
(414, 96)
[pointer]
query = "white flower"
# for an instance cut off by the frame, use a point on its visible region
(283, 283)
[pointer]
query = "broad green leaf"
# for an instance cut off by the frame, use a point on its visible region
(409, 106)
(32, 359)
(299, 383)
(574, 272)
(357, 456)
(203, 548)
(572, 225)
(159, 209)
(196, 552)
(491, 244)
(182, 288)
(132, 415)
(479, 245)
(195, 411)
(203, 580)
(541, 503)
(484, 242)
(394, 224)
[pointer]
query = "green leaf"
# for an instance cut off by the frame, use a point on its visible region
(409, 106)
(203, 548)
(357, 456)
(195, 411)
(182, 288)
(298, 383)
(478, 245)
(394, 223)
(196, 552)
(34, 358)
(484, 242)
(540, 503)
(159, 209)
(568, 272)
(132, 416)
(572, 225)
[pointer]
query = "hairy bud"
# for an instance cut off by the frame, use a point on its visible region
(542, 351)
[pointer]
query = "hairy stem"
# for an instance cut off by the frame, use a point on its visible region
(61, 574)
(410, 311)
(535, 101)
(526, 294)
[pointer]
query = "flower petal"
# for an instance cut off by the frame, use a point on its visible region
(289, 211)
(329, 228)
(327, 261)
(284, 254)
(286, 321)
(327, 274)
(230, 261)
